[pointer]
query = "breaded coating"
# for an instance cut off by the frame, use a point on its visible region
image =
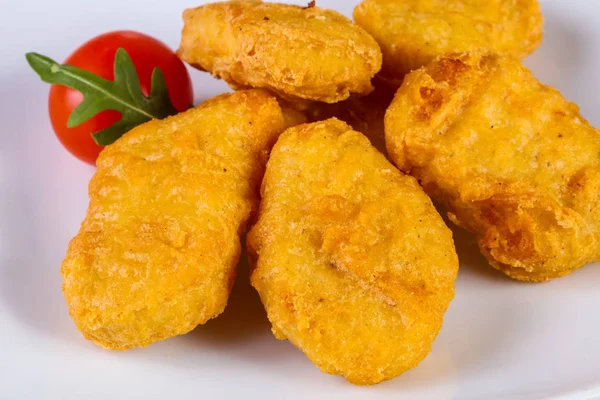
(157, 251)
(353, 263)
(412, 33)
(364, 114)
(299, 53)
(512, 160)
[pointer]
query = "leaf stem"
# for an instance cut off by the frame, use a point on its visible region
(123, 94)
(101, 90)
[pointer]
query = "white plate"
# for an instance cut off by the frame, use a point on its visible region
(501, 339)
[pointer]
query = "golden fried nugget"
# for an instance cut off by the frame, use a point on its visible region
(513, 161)
(298, 53)
(412, 33)
(353, 263)
(157, 251)
(364, 114)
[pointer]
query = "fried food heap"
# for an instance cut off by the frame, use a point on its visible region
(157, 252)
(353, 263)
(512, 160)
(412, 33)
(299, 53)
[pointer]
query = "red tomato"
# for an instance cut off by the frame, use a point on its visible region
(98, 56)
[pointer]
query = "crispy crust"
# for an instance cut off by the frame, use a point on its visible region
(512, 160)
(364, 114)
(412, 33)
(353, 263)
(157, 251)
(300, 54)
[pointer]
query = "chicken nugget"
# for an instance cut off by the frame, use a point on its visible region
(512, 160)
(412, 33)
(157, 251)
(364, 114)
(299, 53)
(353, 263)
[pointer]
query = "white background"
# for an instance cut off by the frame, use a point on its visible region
(501, 339)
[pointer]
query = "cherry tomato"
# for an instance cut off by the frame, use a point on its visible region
(97, 56)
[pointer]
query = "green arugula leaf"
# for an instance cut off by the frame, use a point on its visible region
(124, 94)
